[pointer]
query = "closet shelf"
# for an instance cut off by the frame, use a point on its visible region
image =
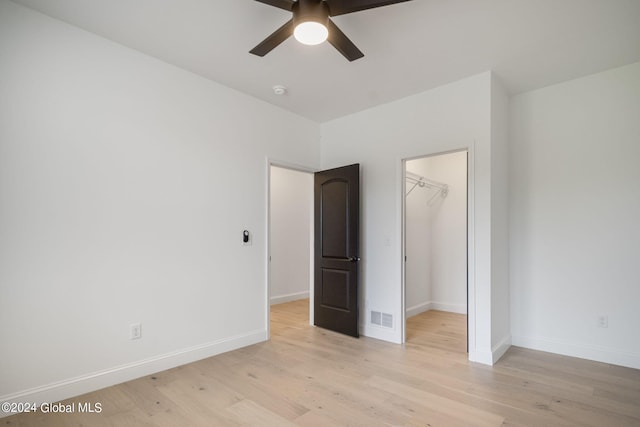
(418, 181)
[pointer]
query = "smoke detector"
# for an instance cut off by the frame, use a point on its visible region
(279, 90)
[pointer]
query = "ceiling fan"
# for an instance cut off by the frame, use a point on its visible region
(311, 25)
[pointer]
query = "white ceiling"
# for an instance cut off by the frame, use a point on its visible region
(409, 47)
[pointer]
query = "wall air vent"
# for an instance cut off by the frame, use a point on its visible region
(387, 320)
(376, 318)
(382, 319)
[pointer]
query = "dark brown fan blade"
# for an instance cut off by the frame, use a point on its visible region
(342, 43)
(281, 4)
(277, 37)
(341, 7)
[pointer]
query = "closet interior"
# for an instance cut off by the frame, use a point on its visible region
(436, 248)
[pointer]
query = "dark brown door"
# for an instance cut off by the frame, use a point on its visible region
(337, 249)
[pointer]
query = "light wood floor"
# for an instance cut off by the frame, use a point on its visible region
(307, 376)
(438, 329)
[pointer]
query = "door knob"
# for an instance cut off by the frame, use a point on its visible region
(354, 259)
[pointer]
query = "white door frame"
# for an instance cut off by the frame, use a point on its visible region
(299, 168)
(471, 286)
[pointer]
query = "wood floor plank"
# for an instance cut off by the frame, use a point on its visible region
(314, 419)
(434, 402)
(201, 405)
(250, 413)
(308, 376)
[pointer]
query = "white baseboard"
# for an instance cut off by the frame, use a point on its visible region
(481, 355)
(288, 298)
(500, 349)
(488, 356)
(441, 306)
(451, 308)
(69, 388)
(381, 333)
(417, 309)
(582, 351)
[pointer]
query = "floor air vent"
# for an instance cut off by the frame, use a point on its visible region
(382, 319)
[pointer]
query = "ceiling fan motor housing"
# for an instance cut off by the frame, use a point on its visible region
(310, 10)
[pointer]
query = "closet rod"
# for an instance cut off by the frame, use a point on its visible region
(421, 181)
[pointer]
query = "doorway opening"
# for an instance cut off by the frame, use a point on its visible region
(290, 247)
(436, 250)
(313, 222)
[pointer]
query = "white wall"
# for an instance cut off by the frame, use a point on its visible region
(291, 207)
(418, 244)
(447, 118)
(125, 184)
(575, 205)
(500, 303)
(449, 225)
(436, 237)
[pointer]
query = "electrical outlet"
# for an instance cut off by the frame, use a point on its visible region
(603, 321)
(135, 331)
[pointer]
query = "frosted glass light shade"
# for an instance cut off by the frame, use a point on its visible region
(310, 33)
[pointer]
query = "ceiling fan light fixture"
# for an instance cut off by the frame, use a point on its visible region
(311, 24)
(311, 33)
(310, 21)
